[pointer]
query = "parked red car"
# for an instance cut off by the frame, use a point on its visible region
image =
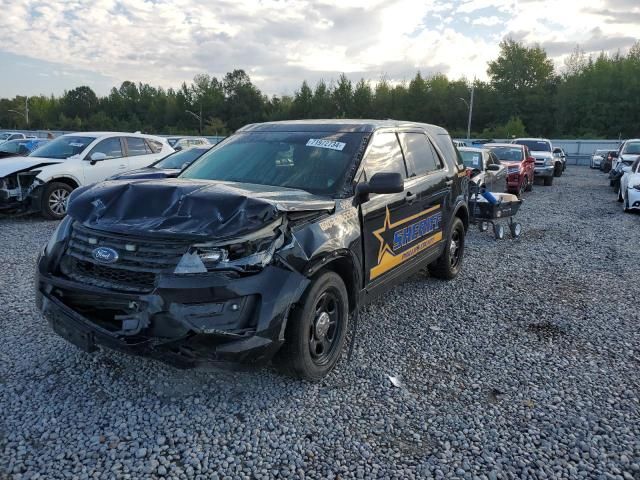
(520, 165)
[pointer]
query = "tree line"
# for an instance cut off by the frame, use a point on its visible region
(524, 95)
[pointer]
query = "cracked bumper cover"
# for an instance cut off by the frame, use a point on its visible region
(184, 321)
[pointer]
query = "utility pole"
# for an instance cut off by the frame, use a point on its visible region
(25, 114)
(473, 87)
(198, 117)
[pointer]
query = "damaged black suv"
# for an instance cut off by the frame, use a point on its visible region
(264, 248)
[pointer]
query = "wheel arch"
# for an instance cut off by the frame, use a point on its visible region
(347, 269)
(67, 180)
(462, 212)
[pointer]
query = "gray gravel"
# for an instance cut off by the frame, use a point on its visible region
(527, 365)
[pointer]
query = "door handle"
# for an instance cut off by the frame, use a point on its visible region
(411, 197)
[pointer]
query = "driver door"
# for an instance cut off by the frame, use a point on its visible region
(105, 160)
(382, 214)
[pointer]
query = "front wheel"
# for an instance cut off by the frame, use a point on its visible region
(557, 171)
(54, 200)
(316, 330)
(448, 266)
(529, 183)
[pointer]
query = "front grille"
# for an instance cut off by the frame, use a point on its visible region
(135, 271)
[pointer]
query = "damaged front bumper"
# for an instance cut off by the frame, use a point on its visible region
(20, 192)
(185, 321)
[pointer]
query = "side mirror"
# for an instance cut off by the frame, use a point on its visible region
(382, 182)
(493, 167)
(97, 156)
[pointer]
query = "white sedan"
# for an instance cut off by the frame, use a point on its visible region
(629, 192)
(43, 180)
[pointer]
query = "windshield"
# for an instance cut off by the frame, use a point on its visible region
(631, 148)
(316, 162)
(472, 160)
(535, 145)
(63, 147)
(508, 154)
(179, 159)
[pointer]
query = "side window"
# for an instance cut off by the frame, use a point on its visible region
(154, 145)
(420, 155)
(136, 146)
(384, 155)
(110, 147)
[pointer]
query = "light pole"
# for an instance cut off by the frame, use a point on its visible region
(198, 117)
(25, 114)
(470, 108)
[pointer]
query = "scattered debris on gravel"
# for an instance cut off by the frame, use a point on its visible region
(526, 365)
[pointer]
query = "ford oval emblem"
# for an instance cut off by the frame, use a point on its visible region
(105, 255)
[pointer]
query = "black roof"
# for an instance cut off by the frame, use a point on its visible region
(336, 125)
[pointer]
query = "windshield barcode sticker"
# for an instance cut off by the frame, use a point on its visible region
(318, 142)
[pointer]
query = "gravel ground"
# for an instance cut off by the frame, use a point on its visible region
(527, 365)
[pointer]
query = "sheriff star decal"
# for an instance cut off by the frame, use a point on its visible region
(406, 238)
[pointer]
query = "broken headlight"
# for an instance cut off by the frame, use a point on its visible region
(254, 254)
(59, 236)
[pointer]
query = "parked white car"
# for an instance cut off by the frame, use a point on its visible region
(6, 136)
(628, 152)
(629, 193)
(43, 180)
(597, 158)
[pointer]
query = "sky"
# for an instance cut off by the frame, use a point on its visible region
(48, 46)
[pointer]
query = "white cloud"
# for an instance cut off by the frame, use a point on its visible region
(487, 21)
(280, 42)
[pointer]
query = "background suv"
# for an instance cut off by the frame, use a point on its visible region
(546, 164)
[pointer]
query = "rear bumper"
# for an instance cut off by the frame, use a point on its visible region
(185, 321)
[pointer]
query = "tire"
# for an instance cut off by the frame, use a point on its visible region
(498, 231)
(516, 229)
(548, 181)
(557, 170)
(54, 200)
(319, 322)
(529, 186)
(448, 266)
(523, 188)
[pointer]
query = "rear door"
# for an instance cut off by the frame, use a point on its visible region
(383, 215)
(429, 182)
(139, 153)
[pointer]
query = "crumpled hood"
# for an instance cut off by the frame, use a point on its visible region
(186, 208)
(20, 164)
